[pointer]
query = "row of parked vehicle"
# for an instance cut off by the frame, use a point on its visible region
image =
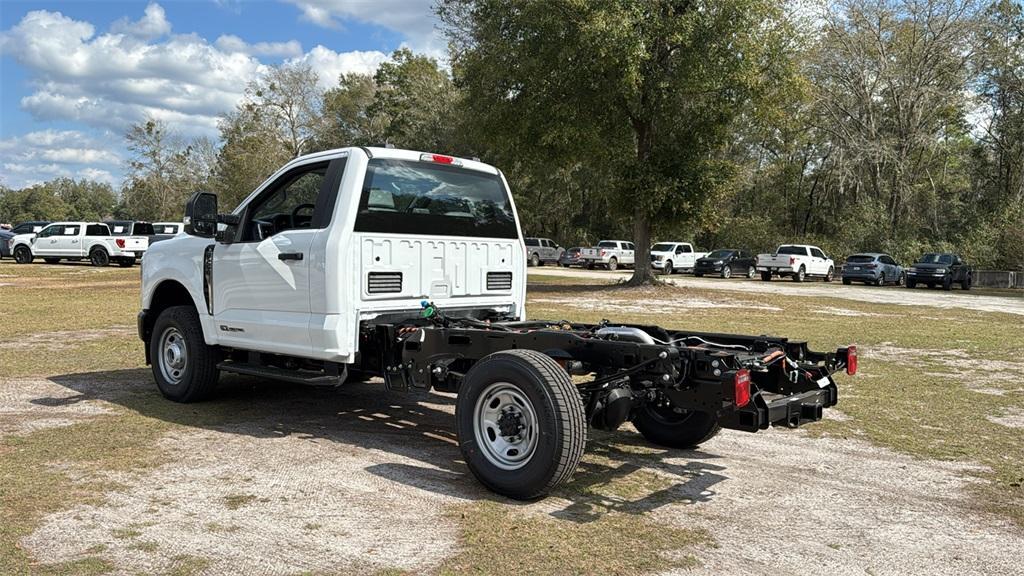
(115, 241)
(796, 261)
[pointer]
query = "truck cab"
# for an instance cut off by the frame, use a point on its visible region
(72, 241)
(669, 257)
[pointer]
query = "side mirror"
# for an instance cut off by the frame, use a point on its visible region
(201, 215)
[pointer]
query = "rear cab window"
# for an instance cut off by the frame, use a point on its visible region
(409, 197)
(793, 250)
(607, 244)
(531, 242)
(96, 230)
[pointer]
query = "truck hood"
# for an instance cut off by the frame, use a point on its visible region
(929, 266)
(28, 237)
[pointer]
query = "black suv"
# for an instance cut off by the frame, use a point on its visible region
(944, 270)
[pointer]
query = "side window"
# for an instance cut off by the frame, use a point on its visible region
(96, 230)
(54, 230)
(679, 250)
(288, 204)
(687, 249)
(548, 244)
(71, 230)
(817, 253)
(629, 246)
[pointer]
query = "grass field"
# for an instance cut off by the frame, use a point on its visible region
(83, 428)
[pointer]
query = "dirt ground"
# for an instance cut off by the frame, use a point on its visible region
(350, 480)
(1011, 303)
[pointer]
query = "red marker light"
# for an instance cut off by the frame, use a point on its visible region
(120, 242)
(440, 159)
(741, 388)
(851, 360)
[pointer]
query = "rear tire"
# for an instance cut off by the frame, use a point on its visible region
(698, 274)
(830, 275)
(947, 283)
(751, 272)
(881, 280)
(800, 275)
(99, 257)
(966, 284)
(535, 260)
(521, 424)
(184, 367)
(911, 284)
(664, 427)
(847, 281)
(766, 276)
(23, 255)
(613, 264)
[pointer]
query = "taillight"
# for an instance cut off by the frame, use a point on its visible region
(119, 242)
(741, 388)
(439, 159)
(871, 266)
(603, 253)
(851, 360)
(792, 260)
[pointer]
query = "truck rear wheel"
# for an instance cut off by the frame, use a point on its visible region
(966, 284)
(521, 424)
(184, 367)
(666, 427)
(799, 275)
(99, 257)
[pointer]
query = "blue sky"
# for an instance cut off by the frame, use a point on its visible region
(74, 75)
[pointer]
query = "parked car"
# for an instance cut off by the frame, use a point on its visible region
(798, 261)
(726, 262)
(671, 256)
(571, 257)
(542, 250)
(608, 253)
(30, 226)
(140, 233)
(75, 241)
(872, 268)
(937, 269)
(5, 243)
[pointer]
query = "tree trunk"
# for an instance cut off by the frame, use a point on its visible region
(642, 248)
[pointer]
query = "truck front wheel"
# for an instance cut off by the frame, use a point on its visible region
(184, 367)
(666, 427)
(521, 424)
(22, 255)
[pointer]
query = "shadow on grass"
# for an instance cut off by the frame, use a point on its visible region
(620, 471)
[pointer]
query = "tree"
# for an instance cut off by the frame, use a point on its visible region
(163, 171)
(415, 102)
(347, 119)
(641, 92)
(288, 98)
(251, 151)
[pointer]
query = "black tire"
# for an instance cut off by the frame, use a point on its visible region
(197, 377)
(726, 271)
(613, 263)
(99, 257)
(931, 285)
(561, 426)
(911, 284)
(902, 281)
(126, 262)
(590, 264)
(766, 276)
(664, 427)
(947, 283)
(23, 255)
(966, 284)
(751, 272)
(698, 274)
(51, 260)
(830, 275)
(534, 260)
(667, 269)
(847, 281)
(880, 281)
(800, 274)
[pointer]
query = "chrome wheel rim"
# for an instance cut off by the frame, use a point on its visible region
(505, 426)
(173, 358)
(751, 272)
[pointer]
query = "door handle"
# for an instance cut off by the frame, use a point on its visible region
(290, 256)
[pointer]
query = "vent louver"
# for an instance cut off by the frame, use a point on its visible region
(384, 282)
(499, 280)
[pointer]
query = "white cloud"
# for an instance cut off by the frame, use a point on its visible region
(329, 64)
(414, 19)
(46, 154)
(152, 25)
(232, 43)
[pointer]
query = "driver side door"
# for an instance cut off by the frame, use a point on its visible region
(261, 280)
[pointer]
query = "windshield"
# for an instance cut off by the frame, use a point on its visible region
(720, 254)
(797, 250)
(936, 259)
(406, 197)
(662, 247)
(860, 258)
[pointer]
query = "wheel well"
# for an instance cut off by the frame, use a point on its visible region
(95, 247)
(168, 293)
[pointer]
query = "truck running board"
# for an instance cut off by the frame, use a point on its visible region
(307, 377)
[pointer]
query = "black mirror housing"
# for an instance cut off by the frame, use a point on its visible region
(201, 215)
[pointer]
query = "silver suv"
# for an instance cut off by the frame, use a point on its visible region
(542, 250)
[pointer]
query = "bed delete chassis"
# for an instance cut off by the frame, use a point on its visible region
(749, 382)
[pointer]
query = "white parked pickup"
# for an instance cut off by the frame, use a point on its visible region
(75, 241)
(798, 261)
(671, 256)
(608, 253)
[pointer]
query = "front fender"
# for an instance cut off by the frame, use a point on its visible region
(179, 260)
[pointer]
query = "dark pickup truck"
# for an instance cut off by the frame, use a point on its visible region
(936, 269)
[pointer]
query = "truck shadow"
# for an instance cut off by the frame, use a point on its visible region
(620, 471)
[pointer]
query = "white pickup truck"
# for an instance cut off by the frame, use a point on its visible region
(361, 263)
(76, 241)
(797, 261)
(608, 253)
(669, 257)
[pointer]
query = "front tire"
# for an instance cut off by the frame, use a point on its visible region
(521, 424)
(535, 260)
(947, 283)
(665, 427)
(184, 367)
(23, 255)
(726, 271)
(751, 272)
(966, 284)
(667, 270)
(830, 275)
(99, 257)
(911, 283)
(51, 260)
(847, 281)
